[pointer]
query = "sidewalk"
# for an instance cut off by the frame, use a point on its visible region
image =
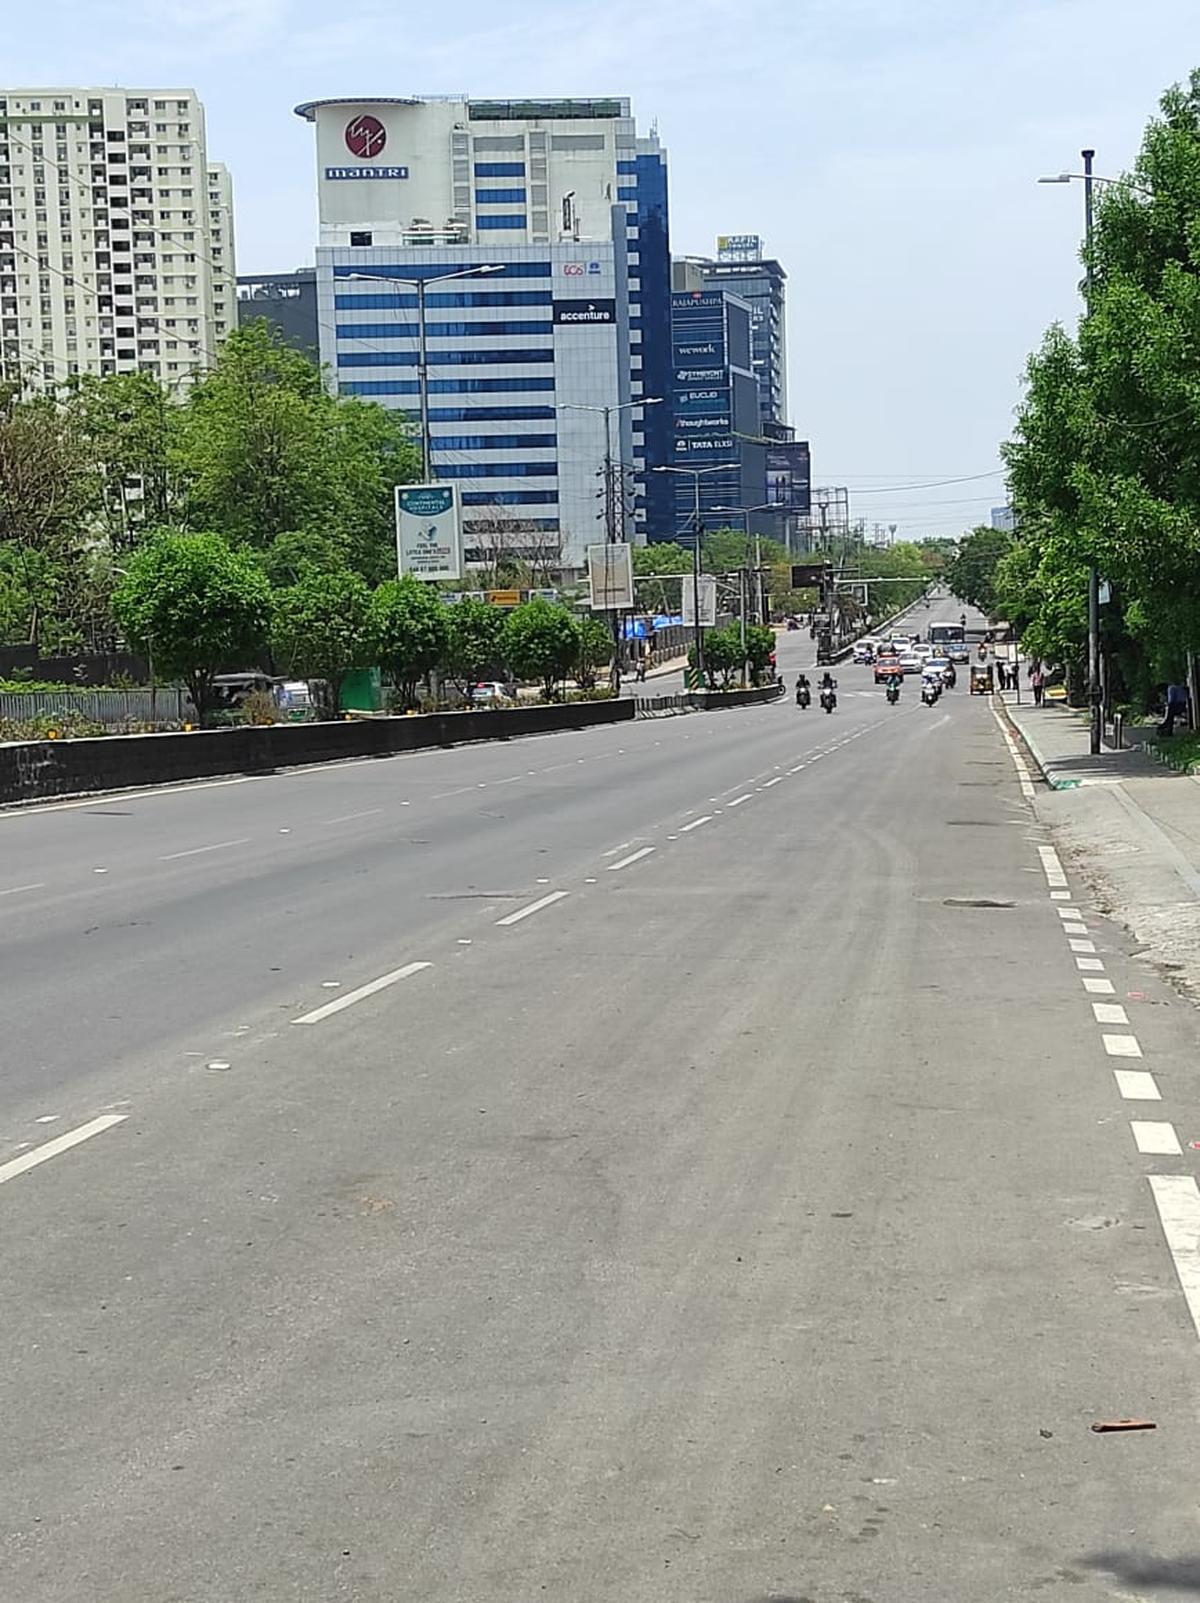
(1128, 826)
(1057, 736)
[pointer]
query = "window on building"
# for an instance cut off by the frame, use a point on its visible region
(361, 236)
(567, 143)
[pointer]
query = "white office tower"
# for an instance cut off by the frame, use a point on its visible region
(116, 235)
(539, 206)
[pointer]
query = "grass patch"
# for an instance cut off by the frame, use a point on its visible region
(1181, 752)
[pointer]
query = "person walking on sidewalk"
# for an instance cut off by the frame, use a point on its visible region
(1037, 683)
(1177, 707)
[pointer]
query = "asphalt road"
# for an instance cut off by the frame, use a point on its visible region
(756, 1214)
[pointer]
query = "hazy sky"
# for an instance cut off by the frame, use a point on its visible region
(887, 151)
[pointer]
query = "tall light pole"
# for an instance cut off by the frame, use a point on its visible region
(1089, 180)
(421, 285)
(696, 475)
(611, 534)
(745, 513)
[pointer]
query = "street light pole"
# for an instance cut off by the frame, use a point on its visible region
(696, 475)
(423, 384)
(1096, 711)
(421, 285)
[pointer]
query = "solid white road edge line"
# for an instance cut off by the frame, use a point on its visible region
(15, 890)
(696, 822)
(61, 1143)
(534, 907)
(1178, 1200)
(632, 858)
(1156, 1138)
(381, 984)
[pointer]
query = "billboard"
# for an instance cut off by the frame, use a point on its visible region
(789, 476)
(429, 531)
(706, 585)
(610, 575)
(739, 247)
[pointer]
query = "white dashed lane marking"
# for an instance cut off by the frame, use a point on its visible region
(1109, 1013)
(1155, 1138)
(1178, 1201)
(363, 991)
(61, 1143)
(1136, 1085)
(1099, 987)
(1122, 1046)
(534, 907)
(633, 857)
(1086, 964)
(695, 823)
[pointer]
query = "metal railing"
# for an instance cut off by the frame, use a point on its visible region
(112, 708)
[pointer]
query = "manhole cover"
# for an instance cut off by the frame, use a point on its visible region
(975, 901)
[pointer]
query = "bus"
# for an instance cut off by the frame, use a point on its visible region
(947, 634)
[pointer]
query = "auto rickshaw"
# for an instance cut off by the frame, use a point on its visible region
(983, 679)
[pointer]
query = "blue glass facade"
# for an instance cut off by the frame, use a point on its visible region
(653, 319)
(715, 410)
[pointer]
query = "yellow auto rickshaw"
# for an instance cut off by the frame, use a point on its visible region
(983, 680)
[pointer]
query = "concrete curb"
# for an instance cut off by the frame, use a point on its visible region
(1044, 768)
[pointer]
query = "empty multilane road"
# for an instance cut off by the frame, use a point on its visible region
(718, 1159)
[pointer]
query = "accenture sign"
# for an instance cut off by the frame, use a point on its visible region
(585, 311)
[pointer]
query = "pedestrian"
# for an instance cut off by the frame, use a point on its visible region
(1177, 707)
(641, 668)
(1037, 682)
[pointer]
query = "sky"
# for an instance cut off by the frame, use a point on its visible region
(886, 150)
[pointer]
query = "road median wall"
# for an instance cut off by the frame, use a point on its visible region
(38, 770)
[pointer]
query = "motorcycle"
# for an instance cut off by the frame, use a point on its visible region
(893, 691)
(803, 696)
(930, 692)
(828, 698)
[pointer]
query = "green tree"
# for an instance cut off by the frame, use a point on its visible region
(474, 630)
(760, 644)
(723, 655)
(971, 572)
(409, 628)
(196, 605)
(653, 569)
(127, 426)
(1105, 460)
(594, 650)
(541, 642)
(320, 629)
(267, 452)
(45, 500)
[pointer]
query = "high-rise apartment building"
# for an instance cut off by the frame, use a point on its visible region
(554, 213)
(116, 235)
(741, 268)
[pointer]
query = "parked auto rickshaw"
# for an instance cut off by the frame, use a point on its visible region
(983, 679)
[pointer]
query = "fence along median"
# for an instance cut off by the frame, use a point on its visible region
(38, 770)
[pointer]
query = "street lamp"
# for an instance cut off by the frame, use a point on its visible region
(1090, 179)
(421, 285)
(745, 514)
(697, 474)
(1095, 178)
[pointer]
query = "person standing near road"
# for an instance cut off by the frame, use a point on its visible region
(1037, 682)
(1177, 707)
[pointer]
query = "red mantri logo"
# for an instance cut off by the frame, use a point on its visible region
(365, 136)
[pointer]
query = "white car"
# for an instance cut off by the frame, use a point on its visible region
(911, 662)
(490, 693)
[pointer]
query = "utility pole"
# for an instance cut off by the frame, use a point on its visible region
(1094, 692)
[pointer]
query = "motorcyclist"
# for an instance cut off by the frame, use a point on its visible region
(828, 682)
(802, 682)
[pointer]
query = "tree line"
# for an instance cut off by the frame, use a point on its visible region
(256, 451)
(1104, 463)
(195, 604)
